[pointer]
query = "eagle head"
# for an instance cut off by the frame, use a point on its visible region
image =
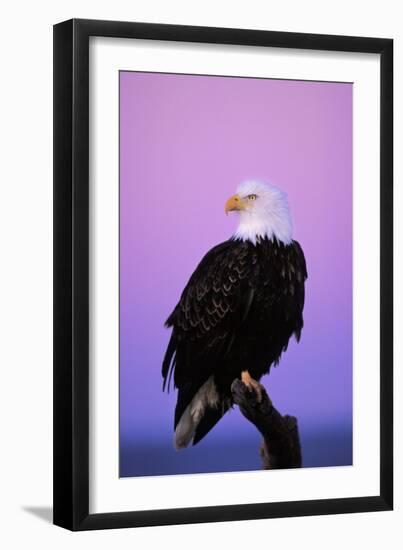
(263, 212)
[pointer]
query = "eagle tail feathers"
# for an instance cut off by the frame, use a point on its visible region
(204, 405)
(185, 430)
(210, 418)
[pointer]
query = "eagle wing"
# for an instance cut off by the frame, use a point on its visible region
(212, 308)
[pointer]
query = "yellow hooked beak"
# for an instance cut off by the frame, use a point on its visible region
(234, 203)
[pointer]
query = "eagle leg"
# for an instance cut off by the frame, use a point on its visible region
(252, 385)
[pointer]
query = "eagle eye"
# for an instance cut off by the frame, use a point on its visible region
(252, 197)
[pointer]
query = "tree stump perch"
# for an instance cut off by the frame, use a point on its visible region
(281, 446)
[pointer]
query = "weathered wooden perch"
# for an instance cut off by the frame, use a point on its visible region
(281, 446)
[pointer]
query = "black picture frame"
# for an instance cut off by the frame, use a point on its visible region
(71, 274)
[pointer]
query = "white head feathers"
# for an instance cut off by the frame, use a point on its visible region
(264, 213)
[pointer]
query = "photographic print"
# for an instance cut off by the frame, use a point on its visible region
(235, 273)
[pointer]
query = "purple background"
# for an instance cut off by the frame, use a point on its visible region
(185, 144)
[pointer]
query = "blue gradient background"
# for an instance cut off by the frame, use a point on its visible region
(185, 143)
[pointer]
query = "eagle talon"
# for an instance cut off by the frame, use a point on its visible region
(252, 385)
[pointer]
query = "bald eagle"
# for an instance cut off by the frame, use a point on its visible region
(237, 313)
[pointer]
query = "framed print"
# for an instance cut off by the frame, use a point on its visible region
(223, 237)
